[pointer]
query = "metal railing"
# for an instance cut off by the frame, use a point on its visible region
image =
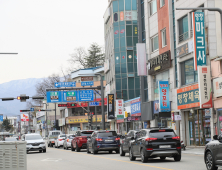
(191, 33)
(183, 36)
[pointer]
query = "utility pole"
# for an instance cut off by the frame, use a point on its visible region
(102, 106)
(90, 126)
(46, 128)
(55, 117)
(29, 123)
(95, 112)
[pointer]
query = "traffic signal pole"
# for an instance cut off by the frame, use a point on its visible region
(102, 106)
(95, 112)
(29, 124)
(55, 116)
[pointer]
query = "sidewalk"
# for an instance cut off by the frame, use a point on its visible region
(194, 150)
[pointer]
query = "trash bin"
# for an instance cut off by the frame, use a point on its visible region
(13, 155)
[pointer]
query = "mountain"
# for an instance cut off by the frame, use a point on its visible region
(13, 89)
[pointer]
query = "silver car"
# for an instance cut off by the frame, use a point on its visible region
(67, 141)
(34, 142)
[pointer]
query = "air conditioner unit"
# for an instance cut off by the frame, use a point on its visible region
(13, 155)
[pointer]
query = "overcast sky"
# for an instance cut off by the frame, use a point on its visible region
(44, 33)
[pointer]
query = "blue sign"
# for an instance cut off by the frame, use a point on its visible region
(70, 96)
(1, 118)
(93, 103)
(54, 97)
(164, 101)
(135, 107)
(86, 95)
(199, 40)
(32, 109)
(156, 106)
(87, 83)
(145, 125)
(65, 84)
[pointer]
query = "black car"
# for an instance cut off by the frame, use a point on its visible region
(155, 142)
(125, 142)
(213, 153)
(103, 141)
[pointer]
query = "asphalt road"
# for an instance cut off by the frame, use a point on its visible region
(60, 159)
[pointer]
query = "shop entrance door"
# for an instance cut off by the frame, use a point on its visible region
(199, 128)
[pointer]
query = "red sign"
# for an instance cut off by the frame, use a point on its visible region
(116, 32)
(122, 31)
(24, 117)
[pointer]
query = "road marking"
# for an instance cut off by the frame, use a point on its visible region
(51, 159)
(118, 160)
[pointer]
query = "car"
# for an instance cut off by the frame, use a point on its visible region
(155, 142)
(103, 141)
(59, 141)
(11, 139)
(125, 142)
(80, 140)
(53, 135)
(67, 141)
(35, 142)
(212, 153)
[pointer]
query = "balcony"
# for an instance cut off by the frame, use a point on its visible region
(183, 37)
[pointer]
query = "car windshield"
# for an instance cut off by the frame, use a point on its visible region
(33, 137)
(10, 139)
(71, 136)
(107, 134)
(62, 136)
(86, 133)
(162, 134)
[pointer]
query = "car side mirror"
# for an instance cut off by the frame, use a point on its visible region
(215, 137)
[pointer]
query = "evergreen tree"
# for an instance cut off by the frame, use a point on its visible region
(6, 124)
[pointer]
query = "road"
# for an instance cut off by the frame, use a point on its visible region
(57, 159)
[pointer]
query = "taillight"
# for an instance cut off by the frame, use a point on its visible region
(99, 139)
(151, 139)
(67, 140)
(178, 147)
(177, 138)
(162, 130)
(149, 149)
(60, 139)
(80, 138)
(117, 139)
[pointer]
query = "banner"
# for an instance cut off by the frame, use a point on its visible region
(205, 90)
(217, 83)
(119, 111)
(135, 107)
(164, 101)
(199, 39)
(141, 59)
(111, 112)
(24, 117)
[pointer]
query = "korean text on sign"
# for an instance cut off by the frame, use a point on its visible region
(164, 96)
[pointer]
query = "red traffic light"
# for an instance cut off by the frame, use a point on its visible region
(18, 98)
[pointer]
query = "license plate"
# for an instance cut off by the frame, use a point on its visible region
(165, 146)
(109, 140)
(52, 142)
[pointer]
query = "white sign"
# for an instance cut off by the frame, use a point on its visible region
(63, 121)
(106, 66)
(217, 83)
(66, 113)
(141, 59)
(24, 117)
(40, 114)
(207, 113)
(128, 15)
(60, 122)
(205, 90)
(177, 117)
(119, 107)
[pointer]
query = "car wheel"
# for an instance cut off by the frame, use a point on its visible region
(177, 158)
(122, 153)
(110, 152)
(72, 149)
(94, 152)
(132, 158)
(40, 151)
(44, 150)
(48, 144)
(66, 147)
(210, 162)
(51, 145)
(77, 148)
(117, 151)
(87, 149)
(144, 158)
(162, 157)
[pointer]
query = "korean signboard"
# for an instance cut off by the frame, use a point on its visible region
(70, 96)
(199, 39)
(53, 97)
(207, 113)
(135, 107)
(164, 101)
(156, 106)
(185, 49)
(82, 120)
(188, 97)
(40, 114)
(86, 95)
(119, 111)
(24, 117)
(217, 83)
(110, 107)
(141, 59)
(205, 90)
(89, 78)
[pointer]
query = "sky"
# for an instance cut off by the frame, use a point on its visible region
(44, 33)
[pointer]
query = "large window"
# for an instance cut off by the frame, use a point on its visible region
(183, 29)
(164, 39)
(143, 22)
(145, 89)
(155, 43)
(153, 7)
(162, 3)
(188, 74)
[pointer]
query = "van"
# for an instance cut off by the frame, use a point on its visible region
(53, 135)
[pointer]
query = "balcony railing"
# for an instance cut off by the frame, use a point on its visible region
(183, 36)
(191, 33)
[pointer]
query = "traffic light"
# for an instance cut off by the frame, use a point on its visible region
(24, 110)
(22, 98)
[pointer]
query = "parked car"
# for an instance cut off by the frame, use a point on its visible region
(80, 140)
(125, 142)
(212, 153)
(35, 142)
(59, 141)
(155, 142)
(103, 141)
(53, 135)
(11, 139)
(67, 141)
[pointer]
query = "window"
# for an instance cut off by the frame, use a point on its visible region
(155, 43)
(153, 7)
(183, 29)
(128, 5)
(164, 40)
(162, 3)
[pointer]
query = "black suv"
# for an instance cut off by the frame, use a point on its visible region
(213, 153)
(155, 142)
(125, 142)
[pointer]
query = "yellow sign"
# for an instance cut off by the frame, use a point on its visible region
(157, 68)
(126, 114)
(83, 120)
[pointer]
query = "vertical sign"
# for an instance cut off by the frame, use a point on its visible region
(141, 59)
(1, 117)
(164, 101)
(111, 106)
(53, 97)
(135, 107)
(24, 117)
(69, 96)
(199, 39)
(205, 90)
(119, 111)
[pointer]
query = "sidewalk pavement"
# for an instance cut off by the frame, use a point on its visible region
(194, 150)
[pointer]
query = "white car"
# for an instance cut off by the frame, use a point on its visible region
(59, 141)
(34, 142)
(67, 141)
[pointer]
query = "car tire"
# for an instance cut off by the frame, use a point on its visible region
(177, 158)
(117, 151)
(94, 152)
(144, 158)
(40, 151)
(163, 157)
(77, 148)
(66, 147)
(48, 144)
(210, 162)
(72, 149)
(87, 150)
(44, 150)
(122, 153)
(110, 152)
(132, 158)
(51, 145)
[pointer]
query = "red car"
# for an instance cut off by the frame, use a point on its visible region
(80, 140)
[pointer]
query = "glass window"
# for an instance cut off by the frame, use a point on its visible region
(146, 95)
(131, 94)
(128, 5)
(121, 5)
(115, 6)
(131, 83)
(122, 30)
(116, 32)
(117, 68)
(117, 58)
(135, 41)
(134, 4)
(129, 41)
(129, 30)
(125, 95)
(129, 56)
(123, 57)
(135, 67)
(164, 39)
(118, 84)
(183, 29)
(162, 3)
(122, 23)
(124, 83)
(137, 83)
(190, 75)
(155, 43)
(119, 94)
(137, 92)
(135, 30)
(130, 67)
(123, 68)
(122, 42)
(153, 7)
(128, 22)
(116, 44)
